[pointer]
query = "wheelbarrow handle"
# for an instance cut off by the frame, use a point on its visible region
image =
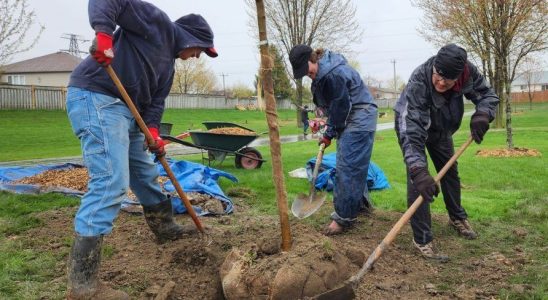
(150, 141)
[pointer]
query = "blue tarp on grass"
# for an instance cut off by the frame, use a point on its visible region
(193, 177)
(376, 180)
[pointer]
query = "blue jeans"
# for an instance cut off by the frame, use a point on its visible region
(112, 147)
(354, 148)
(305, 126)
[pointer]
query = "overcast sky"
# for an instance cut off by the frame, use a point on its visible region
(390, 33)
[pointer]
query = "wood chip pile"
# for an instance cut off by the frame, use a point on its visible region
(231, 130)
(76, 179)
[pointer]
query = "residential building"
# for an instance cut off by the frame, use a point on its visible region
(48, 70)
(530, 82)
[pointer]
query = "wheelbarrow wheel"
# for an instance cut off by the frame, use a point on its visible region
(252, 161)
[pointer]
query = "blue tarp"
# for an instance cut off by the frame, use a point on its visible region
(376, 180)
(193, 177)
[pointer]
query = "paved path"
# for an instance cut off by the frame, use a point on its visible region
(176, 149)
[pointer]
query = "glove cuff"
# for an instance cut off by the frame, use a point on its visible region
(154, 131)
(103, 35)
(481, 115)
(415, 171)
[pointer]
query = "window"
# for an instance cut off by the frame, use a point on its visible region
(544, 87)
(523, 87)
(16, 79)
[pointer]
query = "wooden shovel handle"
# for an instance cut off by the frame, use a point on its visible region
(405, 217)
(150, 141)
(319, 158)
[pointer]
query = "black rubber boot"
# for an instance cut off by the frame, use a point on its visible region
(83, 267)
(159, 218)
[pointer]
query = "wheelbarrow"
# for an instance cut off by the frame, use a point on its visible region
(218, 146)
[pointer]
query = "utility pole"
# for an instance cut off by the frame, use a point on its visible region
(395, 83)
(224, 89)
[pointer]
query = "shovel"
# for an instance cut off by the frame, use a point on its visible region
(305, 205)
(150, 140)
(346, 290)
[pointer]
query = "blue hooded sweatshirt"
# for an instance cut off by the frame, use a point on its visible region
(146, 44)
(337, 87)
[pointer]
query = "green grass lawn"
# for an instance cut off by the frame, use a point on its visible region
(500, 194)
(47, 134)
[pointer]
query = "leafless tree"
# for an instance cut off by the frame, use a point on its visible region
(328, 24)
(500, 33)
(193, 76)
(530, 71)
(15, 22)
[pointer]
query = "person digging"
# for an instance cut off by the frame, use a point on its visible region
(427, 114)
(146, 45)
(352, 119)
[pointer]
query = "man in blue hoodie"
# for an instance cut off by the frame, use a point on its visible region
(142, 51)
(352, 119)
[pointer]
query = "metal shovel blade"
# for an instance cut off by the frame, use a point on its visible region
(305, 205)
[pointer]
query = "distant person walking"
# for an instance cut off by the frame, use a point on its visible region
(141, 43)
(351, 119)
(427, 114)
(304, 118)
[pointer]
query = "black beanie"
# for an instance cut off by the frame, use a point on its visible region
(298, 56)
(450, 61)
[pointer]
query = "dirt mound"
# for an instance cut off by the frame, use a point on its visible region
(313, 266)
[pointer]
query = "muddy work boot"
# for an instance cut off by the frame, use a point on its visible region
(463, 228)
(83, 267)
(159, 218)
(427, 251)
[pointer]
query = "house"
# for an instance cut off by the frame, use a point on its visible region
(383, 93)
(48, 70)
(530, 82)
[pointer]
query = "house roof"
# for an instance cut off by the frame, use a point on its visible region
(55, 62)
(540, 77)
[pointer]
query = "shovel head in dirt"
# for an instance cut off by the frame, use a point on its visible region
(305, 205)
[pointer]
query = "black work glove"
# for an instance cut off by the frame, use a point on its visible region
(424, 183)
(479, 124)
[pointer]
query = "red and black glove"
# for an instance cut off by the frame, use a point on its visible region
(101, 48)
(424, 183)
(324, 140)
(158, 146)
(479, 124)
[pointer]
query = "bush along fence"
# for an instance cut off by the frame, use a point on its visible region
(30, 97)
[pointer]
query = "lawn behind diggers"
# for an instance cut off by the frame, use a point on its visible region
(46, 134)
(500, 195)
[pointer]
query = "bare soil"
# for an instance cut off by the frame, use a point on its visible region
(191, 268)
(240, 257)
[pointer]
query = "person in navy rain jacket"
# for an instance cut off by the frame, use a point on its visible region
(141, 44)
(352, 119)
